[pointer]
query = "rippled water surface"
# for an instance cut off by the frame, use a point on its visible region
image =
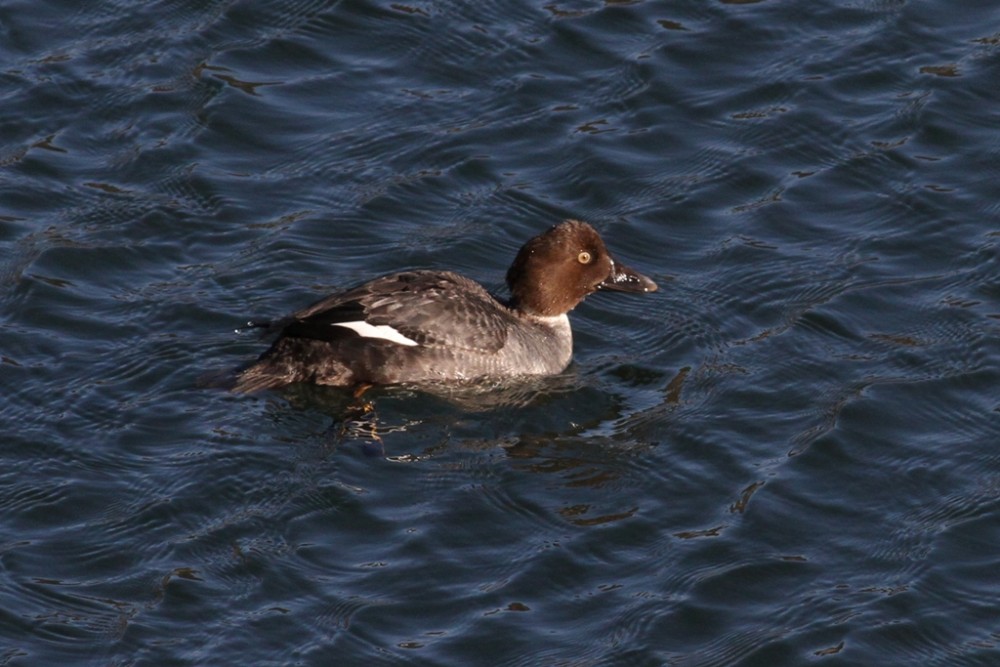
(789, 455)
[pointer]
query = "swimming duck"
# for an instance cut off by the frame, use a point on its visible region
(429, 326)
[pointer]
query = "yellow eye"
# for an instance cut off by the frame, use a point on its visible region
(584, 257)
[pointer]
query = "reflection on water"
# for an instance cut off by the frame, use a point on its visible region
(785, 455)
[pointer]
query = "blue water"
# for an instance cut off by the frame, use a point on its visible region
(789, 455)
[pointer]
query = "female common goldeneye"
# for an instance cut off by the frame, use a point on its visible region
(426, 326)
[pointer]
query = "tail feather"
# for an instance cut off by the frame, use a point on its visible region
(291, 360)
(263, 375)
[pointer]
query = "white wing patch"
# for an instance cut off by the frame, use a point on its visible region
(383, 331)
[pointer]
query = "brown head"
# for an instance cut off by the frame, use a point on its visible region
(554, 271)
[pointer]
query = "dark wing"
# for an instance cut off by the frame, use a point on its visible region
(431, 308)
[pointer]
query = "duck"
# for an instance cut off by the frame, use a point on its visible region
(430, 326)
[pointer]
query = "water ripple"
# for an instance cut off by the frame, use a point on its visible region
(785, 454)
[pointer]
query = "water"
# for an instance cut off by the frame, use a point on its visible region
(786, 456)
